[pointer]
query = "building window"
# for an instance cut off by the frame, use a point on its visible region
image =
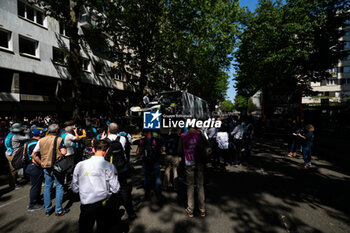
(30, 13)
(347, 45)
(85, 63)
(58, 56)
(63, 30)
(28, 46)
(5, 39)
(333, 71)
(331, 82)
(346, 69)
(347, 33)
(345, 81)
(99, 68)
(21, 9)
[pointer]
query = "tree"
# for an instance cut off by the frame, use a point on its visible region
(289, 44)
(240, 102)
(68, 11)
(226, 106)
(201, 36)
(163, 40)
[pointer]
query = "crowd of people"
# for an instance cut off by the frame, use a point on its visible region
(94, 161)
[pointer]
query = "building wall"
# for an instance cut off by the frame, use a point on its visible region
(338, 87)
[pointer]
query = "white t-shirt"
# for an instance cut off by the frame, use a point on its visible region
(68, 142)
(122, 139)
(145, 99)
(222, 140)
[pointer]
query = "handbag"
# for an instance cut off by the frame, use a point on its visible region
(63, 165)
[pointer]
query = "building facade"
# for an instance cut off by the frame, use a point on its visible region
(337, 88)
(33, 68)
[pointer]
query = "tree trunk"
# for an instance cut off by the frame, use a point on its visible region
(74, 64)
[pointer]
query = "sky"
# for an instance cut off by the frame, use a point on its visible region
(231, 92)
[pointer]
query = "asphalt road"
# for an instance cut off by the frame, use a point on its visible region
(269, 193)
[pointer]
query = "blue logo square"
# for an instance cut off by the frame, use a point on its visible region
(151, 120)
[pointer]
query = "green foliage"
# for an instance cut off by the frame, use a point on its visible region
(226, 106)
(240, 102)
(160, 40)
(289, 44)
(251, 106)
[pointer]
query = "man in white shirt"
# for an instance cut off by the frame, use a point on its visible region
(145, 99)
(96, 180)
(237, 135)
(69, 137)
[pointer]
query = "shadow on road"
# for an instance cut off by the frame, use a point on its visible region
(263, 196)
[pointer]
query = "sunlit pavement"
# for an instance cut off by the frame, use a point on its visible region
(268, 193)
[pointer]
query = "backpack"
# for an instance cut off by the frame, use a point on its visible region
(203, 150)
(8, 143)
(21, 157)
(127, 145)
(171, 145)
(149, 151)
(116, 155)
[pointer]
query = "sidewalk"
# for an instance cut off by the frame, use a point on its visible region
(271, 193)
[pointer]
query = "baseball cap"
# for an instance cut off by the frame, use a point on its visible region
(37, 132)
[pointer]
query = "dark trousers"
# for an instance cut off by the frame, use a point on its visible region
(148, 169)
(105, 217)
(36, 179)
(224, 153)
(125, 194)
(238, 144)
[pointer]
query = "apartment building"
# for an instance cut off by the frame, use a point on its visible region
(337, 88)
(33, 69)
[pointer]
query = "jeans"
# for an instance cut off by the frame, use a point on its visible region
(307, 155)
(195, 177)
(36, 179)
(148, 168)
(49, 179)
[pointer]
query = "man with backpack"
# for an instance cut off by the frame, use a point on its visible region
(34, 171)
(13, 142)
(119, 155)
(150, 151)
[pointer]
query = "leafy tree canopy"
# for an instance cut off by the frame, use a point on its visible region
(289, 44)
